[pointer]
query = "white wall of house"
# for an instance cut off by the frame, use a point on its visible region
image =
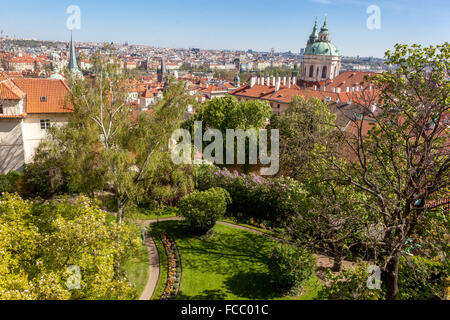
(32, 133)
(12, 155)
(11, 107)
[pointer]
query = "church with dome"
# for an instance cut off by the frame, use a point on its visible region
(321, 60)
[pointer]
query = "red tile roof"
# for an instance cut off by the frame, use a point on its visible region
(9, 91)
(55, 91)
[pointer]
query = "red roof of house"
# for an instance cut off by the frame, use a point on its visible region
(54, 91)
(9, 91)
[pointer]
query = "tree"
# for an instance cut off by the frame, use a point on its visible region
(40, 242)
(399, 150)
(170, 182)
(304, 127)
(330, 217)
(105, 142)
(229, 113)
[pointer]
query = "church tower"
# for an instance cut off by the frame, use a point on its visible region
(73, 66)
(162, 71)
(321, 60)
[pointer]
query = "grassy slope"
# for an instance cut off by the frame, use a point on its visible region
(137, 269)
(231, 265)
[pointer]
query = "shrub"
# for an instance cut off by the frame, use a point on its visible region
(202, 208)
(349, 285)
(291, 267)
(421, 278)
(270, 199)
(42, 180)
(5, 185)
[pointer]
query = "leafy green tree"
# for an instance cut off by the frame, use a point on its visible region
(40, 242)
(170, 182)
(403, 161)
(103, 142)
(229, 113)
(304, 130)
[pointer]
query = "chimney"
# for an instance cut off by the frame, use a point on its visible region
(262, 80)
(268, 81)
(277, 86)
(347, 89)
(289, 82)
(333, 90)
(315, 87)
(294, 80)
(274, 81)
(258, 81)
(284, 81)
(338, 90)
(252, 82)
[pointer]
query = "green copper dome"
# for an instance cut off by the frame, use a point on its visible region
(322, 48)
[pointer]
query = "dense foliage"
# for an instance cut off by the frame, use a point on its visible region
(39, 243)
(202, 209)
(272, 199)
(291, 267)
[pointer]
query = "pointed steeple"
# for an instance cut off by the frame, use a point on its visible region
(325, 27)
(314, 35)
(324, 35)
(73, 66)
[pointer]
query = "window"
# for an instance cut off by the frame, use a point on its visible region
(278, 106)
(311, 71)
(43, 99)
(1, 108)
(45, 124)
(324, 72)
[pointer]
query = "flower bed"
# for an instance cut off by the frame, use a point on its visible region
(174, 268)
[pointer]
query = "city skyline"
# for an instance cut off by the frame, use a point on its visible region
(252, 25)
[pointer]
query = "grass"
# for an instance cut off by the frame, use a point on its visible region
(137, 269)
(144, 213)
(232, 265)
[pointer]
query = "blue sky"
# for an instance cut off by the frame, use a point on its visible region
(233, 24)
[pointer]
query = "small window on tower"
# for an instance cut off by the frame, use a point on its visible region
(1, 108)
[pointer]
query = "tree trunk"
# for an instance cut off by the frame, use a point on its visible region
(391, 277)
(120, 213)
(121, 204)
(337, 258)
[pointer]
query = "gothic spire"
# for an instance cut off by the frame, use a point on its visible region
(73, 66)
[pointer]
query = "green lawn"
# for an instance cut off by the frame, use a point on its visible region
(230, 265)
(137, 269)
(141, 213)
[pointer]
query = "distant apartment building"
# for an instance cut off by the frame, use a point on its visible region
(20, 64)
